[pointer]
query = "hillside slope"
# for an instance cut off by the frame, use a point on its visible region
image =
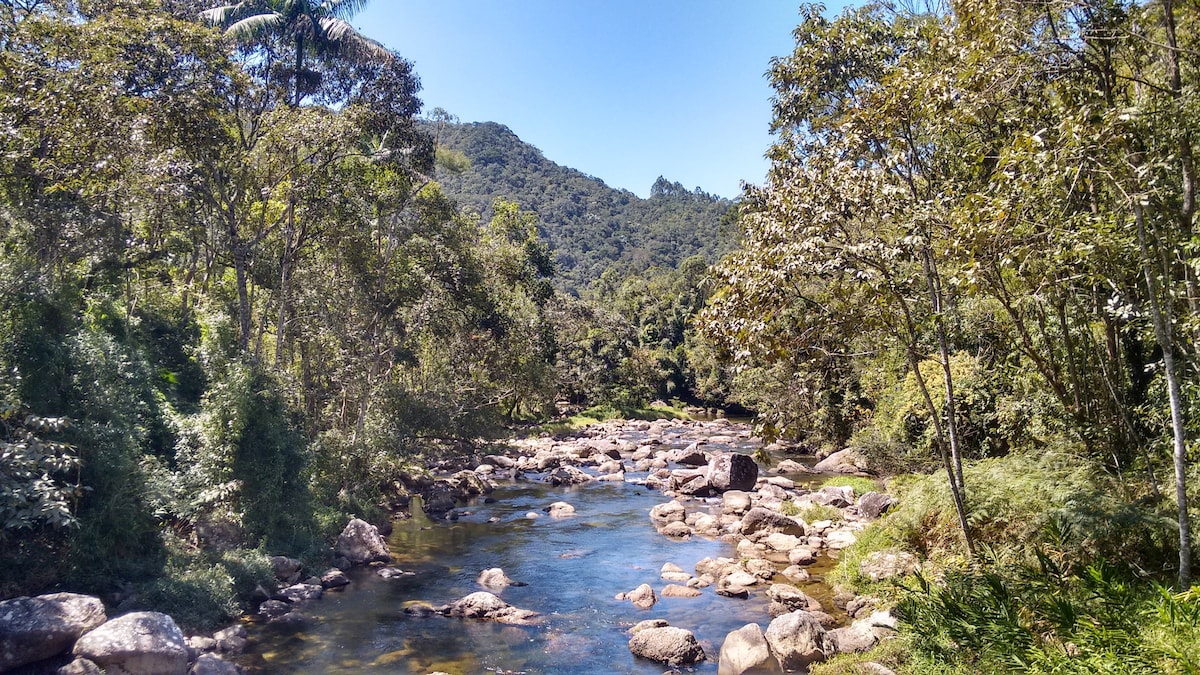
(590, 226)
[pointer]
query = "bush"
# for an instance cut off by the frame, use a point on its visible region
(203, 590)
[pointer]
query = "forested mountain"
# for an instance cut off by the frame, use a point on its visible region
(590, 226)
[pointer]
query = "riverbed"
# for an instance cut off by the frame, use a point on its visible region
(572, 568)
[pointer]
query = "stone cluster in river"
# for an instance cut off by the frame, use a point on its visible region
(715, 492)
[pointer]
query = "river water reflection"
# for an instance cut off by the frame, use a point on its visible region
(572, 567)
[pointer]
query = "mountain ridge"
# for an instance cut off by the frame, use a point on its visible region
(590, 226)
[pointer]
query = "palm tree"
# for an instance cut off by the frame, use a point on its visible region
(317, 27)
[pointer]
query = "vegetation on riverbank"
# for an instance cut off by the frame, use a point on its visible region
(236, 306)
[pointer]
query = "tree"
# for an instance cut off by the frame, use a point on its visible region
(317, 28)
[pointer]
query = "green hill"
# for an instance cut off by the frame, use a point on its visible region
(590, 226)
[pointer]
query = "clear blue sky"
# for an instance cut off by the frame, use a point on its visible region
(624, 90)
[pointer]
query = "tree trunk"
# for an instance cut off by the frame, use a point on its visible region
(1163, 334)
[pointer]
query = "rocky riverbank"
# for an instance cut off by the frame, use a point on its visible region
(783, 528)
(717, 492)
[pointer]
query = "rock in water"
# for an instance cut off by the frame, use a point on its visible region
(486, 606)
(495, 579)
(141, 643)
(560, 510)
(642, 597)
(796, 639)
(32, 629)
(361, 543)
(743, 649)
(732, 471)
(670, 645)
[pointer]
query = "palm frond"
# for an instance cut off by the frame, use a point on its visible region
(351, 42)
(254, 27)
(219, 16)
(342, 9)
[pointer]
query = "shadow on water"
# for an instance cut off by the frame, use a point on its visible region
(572, 568)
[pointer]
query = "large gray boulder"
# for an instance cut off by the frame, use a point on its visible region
(668, 644)
(642, 597)
(488, 607)
(568, 475)
(732, 471)
(211, 664)
(360, 543)
(886, 564)
(736, 502)
(787, 598)
(844, 461)
(875, 504)
(743, 649)
(796, 639)
(141, 643)
(766, 521)
(32, 629)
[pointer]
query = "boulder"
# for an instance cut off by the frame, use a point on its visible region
(360, 543)
(692, 455)
(211, 664)
(676, 529)
(80, 667)
(778, 541)
(274, 608)
(844, 461)
(471, 483)
(231, 640)
(796, 639)
(732, 471)
(786, 598)
(500, 461)
(736, 502)
(334, 578)
(495, 579)
(743, 649)
(881, 565)
(285, 568)
(568, 475)
(874, 504)
(642, 597)
(791, 466)
(648, 623)
(802, 555)
(140, 643)
(488, 607)
(667, 644)
(840, 539)
(670, 512)
(677, 591)
(857, 637)
(301, 592)
(44, 626)
(837, 496)
(672, 572)
(560, 510)
(767, 521)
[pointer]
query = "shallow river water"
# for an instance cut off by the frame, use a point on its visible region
(572, 567)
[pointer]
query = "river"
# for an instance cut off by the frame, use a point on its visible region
(572, 567)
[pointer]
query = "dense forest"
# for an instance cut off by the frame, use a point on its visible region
(247, 290)
(590, 227)
(975, 253)
(237, 307)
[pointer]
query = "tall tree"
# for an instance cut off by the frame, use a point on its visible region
(312, 28)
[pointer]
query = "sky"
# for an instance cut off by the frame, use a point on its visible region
(624, 90)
